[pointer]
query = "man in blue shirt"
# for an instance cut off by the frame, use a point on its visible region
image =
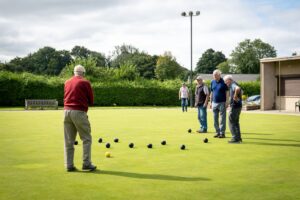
(235, 109)
(218, 98)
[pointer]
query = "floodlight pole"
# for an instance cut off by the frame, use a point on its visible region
(191, 14)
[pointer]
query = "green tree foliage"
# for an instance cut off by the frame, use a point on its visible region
(227, 67)
(209, 60)
(82, 52)
(14, 65)
(46, 60)
(145, 64)
(168, 68)
(127, 54)
(224, 67)
(93, 72)
(122, 54)
(247, 54)
(126, 71)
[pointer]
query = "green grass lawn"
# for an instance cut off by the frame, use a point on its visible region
(265, 166)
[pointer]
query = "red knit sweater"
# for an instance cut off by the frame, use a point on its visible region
(78, 94)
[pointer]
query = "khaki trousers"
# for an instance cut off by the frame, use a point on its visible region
(77, 121)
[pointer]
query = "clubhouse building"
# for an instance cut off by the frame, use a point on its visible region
(280, 83)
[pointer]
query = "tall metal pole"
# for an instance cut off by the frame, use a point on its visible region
(191, 14)
(191, 79)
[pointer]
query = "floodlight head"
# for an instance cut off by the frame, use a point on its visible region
(191, 13)
(197, 13)
(183, 14)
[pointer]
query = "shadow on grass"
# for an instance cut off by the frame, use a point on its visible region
(270, 139)
(275, 144)
(147, 176)
(257, 134)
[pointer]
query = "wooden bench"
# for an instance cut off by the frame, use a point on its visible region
(42, 103)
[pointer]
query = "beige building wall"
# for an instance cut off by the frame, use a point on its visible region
(270, 70)
(287, 103)
(268, 85)
(287, 68)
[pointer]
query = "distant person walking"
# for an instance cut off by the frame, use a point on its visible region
(218, 98)
(201, 101)
(235, 108)
(78, 95)
(184, 97)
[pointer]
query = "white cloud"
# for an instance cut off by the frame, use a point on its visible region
(153, 26)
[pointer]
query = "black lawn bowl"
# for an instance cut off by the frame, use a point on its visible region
(76, 142)
(116, 140)
(205, 140)
(107, 145)
(131, 145)
(164, 142)
(190, 130)
(182, 147)
(149, 146)
(100, 140)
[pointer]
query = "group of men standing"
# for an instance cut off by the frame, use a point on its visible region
(222, 89)
(78, 95)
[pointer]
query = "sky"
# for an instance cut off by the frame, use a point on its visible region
(152, 26)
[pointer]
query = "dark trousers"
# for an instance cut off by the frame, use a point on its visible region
(234, 123)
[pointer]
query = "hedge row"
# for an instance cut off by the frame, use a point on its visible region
(250, 88)
(15, 88)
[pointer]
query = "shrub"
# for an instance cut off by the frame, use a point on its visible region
(250, 88)
(15, 88)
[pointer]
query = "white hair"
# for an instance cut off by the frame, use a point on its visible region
(228, 77)
(199, 78)
(216, 71)
(79, 70)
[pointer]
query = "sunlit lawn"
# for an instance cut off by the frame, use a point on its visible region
(265, 166)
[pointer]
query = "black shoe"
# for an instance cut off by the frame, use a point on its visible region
(217, 135)
(89, 167)
(235, 141)
(71, 169)
(222, 136)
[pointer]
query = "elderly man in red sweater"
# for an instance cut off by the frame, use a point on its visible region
(78, 95)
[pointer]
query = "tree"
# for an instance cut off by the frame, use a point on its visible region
(209, 61)
(89, 64)
(247, 54)
(14, 65)
(122, 54)
(127, 54)
(126, 71)
(82, 52)
(167, 67)
(93, 73)
(224, 67)
(145, 64)
(46, 60)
